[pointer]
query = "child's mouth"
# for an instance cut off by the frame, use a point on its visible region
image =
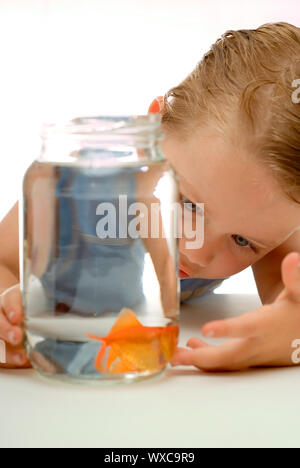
(183, 274)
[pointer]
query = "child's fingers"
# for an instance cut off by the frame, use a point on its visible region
(203, 358)
(248, 325)
(233, 355)
(195, 343)
(15, 357)
(11, 302)
(9, 333)
(183, 356)
(290, 273)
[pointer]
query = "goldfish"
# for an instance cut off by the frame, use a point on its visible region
(132, 347)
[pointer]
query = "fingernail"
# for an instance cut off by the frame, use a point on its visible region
(210, 333)
(12, 316)
(12, 337)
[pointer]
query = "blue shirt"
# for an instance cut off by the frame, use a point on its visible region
(191, 288)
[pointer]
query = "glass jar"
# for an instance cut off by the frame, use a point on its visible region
(99, 253)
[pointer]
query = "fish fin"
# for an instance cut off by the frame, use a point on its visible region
(121, 367)
(136, 356)
(112, 356)
(94, 337)
(126, 319)
(116, 363)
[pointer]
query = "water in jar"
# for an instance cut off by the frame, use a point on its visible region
(76, 282)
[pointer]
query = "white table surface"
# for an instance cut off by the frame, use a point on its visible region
(181, 408)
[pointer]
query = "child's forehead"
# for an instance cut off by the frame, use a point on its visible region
(211, 170)
(218, 162)
(238, 196)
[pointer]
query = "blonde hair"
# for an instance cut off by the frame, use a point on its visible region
(247, 82)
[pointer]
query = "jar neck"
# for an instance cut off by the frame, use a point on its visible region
(104, 140)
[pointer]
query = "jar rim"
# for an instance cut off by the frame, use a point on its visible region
(104, 126)
(87, 135)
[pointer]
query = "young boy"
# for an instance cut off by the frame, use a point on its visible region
(232, 133)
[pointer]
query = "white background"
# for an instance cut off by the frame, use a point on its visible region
(65, 57)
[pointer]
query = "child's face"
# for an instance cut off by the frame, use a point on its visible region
(246, 212)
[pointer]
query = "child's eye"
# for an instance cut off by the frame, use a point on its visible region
(189, 205)
(243, 243)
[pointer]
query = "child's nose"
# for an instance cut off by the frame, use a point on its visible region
(201, 258)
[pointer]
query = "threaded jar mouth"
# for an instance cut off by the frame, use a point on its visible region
(108, 128)
(103, 139)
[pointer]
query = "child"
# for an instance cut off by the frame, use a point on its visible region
(233, 135)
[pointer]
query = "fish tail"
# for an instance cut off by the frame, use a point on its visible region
(101, 354)
(100, 357)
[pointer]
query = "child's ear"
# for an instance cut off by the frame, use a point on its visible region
(156, 106)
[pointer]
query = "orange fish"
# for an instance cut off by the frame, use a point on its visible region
(133, 347)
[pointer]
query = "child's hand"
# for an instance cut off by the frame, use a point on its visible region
(11, 331)
(262, 338)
